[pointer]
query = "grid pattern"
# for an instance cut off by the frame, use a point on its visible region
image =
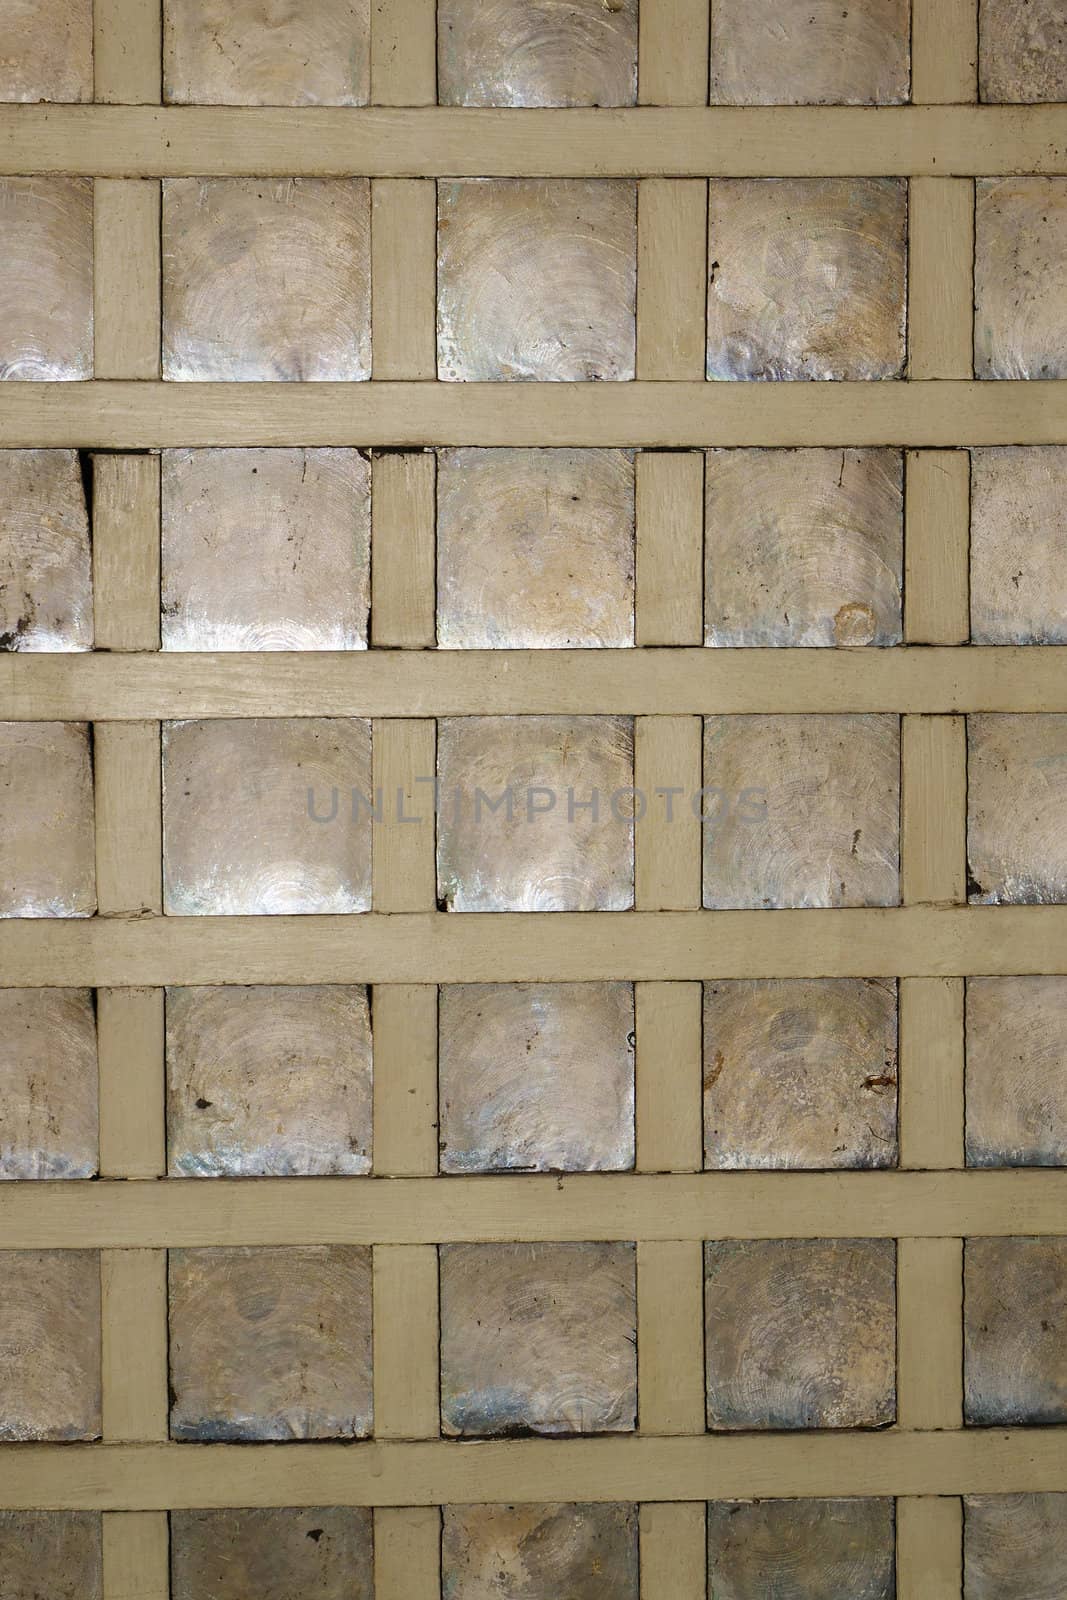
(933, 941)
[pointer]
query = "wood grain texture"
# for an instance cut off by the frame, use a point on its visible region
(668, 1074)
(403, 522)
(671, 277)
(126, 281)
(535, 947)
(407, 1553)
(568, 1208)
(127, 52)
(929, 1548)
(403, 752)
(670, 548)
(130, 1049)
(933, 810)
(129, 823)
(937, 497)
(944, 52)
(417, 684)
(133, 1286)
(930, 1333)
(667, 836)
(940, 278)
(403, 278)
(405, 1079)
(670, 1337)
(1004, 1461)
(931, 1073)
(403, 61)
(406, 1341)
(672, 58)
(448, 141)
(673, 1551)
(126, 518)
(136, 1552)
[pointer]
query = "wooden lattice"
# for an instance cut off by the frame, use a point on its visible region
(932, 942)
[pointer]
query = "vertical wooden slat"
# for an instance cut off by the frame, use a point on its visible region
(672, 53)
(937, 515)
(667, 844)
(930, 1333)
(407, 1553)
(941, 278)
(670, 548)
(127, 52)
(929, 1548)
(672, 264)
(405, 1079)
(673, 1551)
(134, 1371)
(126, 278)
(130, 1051)
(136, 1555)
(403, 544)
(129, 827)
(404, 763)
(669, 1068)
(670, 1336)
(126, 552)
(931, 1073)
(933, 810)
(403, 52)
(404, 278)
(944, 52)
(406, 1342)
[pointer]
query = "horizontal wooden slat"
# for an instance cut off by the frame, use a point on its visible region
(138, 416)
(650, 141)
(978, 1461)
(535, 947)
(603, 1206)
(663, 682)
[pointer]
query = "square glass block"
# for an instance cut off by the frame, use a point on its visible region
(807, 278)
(1022, 51)
(536, 279)
(46, 585)
(536, 813)
(268, 1082)
(265, 549)
(536, 1077)
(1016, 1072)
(1014, 1546)
(538, 1338)
(48, 1084)
(801, 810)
(1017, 809)
(46, 53)
(1019, 545)
(1020, 303)
(800, 1333)
(540, 1552)
(53, 1554)
(535, 549)
(803, 547)
(46, 279)
(266, 815)
(801, 1549)
(256, 53)
(800, 1072)
(49, 1345)
(47, 833)
(270, 1343)
(1015, 1332)
(810, 52)
(537, 53)
(275, 1554)
(266, 279)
